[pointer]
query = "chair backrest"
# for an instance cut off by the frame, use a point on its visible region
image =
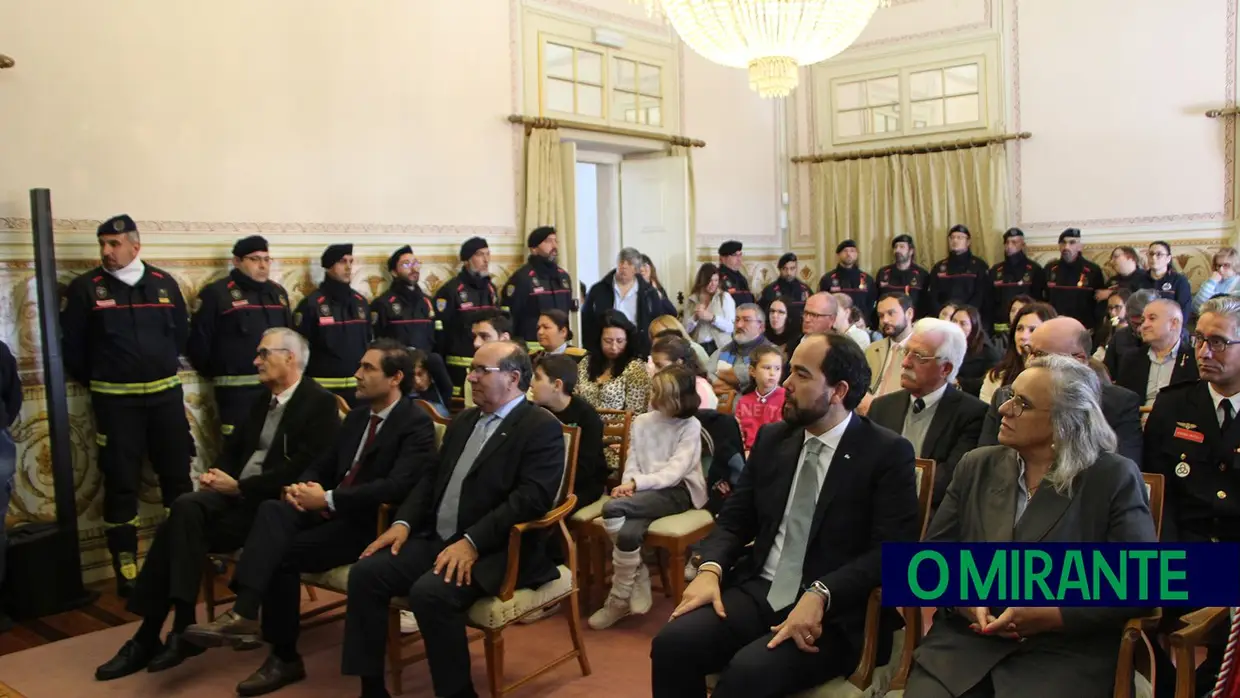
(441, 423)
(727, 401)
(708, 452)
(572, 439)
(617, 425)
(1154, 485)
(342, 406)
(925, 491)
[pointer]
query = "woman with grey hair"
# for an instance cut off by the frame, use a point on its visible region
(1054, 478)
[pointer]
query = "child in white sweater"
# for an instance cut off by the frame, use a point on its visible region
(662, 476)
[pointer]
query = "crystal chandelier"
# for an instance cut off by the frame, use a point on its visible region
(769, 37)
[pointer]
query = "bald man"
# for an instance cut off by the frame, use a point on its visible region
(1122, 407)
(818, 317)
(1166, 358)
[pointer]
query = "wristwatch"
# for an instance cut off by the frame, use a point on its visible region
(821, 590)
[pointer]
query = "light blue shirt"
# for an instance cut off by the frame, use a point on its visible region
(627, 304)
(489, 429)
(1210, 288)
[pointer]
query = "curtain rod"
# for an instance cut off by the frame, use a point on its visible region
(533, 122)
(915, 149)
(1226, 111)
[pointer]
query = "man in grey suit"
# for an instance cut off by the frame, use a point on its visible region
(1053, 479)
(941, 422)
(1066, 336)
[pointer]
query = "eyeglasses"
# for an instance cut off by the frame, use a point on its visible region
(811, 314)
(265, 354)
(415, 264)
(921, 358)
(1018, 405)
(1217, 345)
(480, 370)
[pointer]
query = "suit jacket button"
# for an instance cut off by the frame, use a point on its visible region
(1221, 494)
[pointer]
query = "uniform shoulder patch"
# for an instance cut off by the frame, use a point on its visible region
(441, 304)
(510, 289)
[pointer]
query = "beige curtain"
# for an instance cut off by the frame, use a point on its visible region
(875, 199)
(545, 193)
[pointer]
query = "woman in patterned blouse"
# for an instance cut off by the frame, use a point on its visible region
(615, 378)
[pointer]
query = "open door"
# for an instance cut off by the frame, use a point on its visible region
(654, 217)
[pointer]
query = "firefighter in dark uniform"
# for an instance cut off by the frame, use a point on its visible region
(1016, 275)
(791, 290)
(404, 312)
(229, 319)
(731, 279)
(462, 298)
(1192, 439)
(904, 276)
(847, 278)
(1072, 281)
(960, 278)
(537, 286)
(333, 318)
(125, 325)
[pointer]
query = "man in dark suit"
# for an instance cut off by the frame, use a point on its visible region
(940, 421)
(1193, 441)
(1128, 338)
(821, 492)
(1169, 359)
(625, 290)
(1121, 407)
(328, 518)
(502, 464)
(287, 428)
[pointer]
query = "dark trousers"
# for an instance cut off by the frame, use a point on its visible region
(922, 685)
(132, 427)
(235, 403)
(700, 643)
(282, 544)
(8, 468)
(199, 523)
(439, 608)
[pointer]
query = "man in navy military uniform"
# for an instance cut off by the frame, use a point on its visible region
(847, 278)
(1192, 439)
(1072, 280)
(538, 285)
(125, 325)
(1016, 275)
(404, 312)
(229, 319)
(334, 320)
(10, 407)
(457, 303)
(960, 278)
(731, 278)
(904, 275)
(788, 288)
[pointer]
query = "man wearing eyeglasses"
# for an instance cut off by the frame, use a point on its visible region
(1120, 406)
(404, 312)
(229, 318)
(286, 427)
(1166, 360)
(1191, 439)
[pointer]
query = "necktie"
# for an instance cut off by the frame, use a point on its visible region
(1227, 415)
(918, 405)
(446, 521)
(274, 404)
(370, 439)
(788, 572)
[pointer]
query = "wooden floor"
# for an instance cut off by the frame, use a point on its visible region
(106, 611)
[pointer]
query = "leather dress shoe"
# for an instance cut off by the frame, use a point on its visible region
(273, 675)
(132, 658)
(175, 651)
(228, 629)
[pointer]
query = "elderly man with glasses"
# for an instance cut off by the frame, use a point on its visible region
(1066, 336)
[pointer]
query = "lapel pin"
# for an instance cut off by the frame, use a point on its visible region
(845, 456)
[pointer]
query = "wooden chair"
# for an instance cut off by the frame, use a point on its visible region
(617, 428)
(492, 615)
(1134, 671)
(1198, 627)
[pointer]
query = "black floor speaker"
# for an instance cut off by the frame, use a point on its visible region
(42, 576)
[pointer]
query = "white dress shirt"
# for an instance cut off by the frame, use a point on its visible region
(1218, 399)
(626, 302)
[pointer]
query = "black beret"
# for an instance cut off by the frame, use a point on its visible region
(539, 235)
(397, 255)
(335, 253)
(250, 245)
(729, 248)
(1070, 233)
(958, 228)
(1013, 233)
(845, 245)
(471, 246)
(116, 225)
(788, 257)
(905, 238)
